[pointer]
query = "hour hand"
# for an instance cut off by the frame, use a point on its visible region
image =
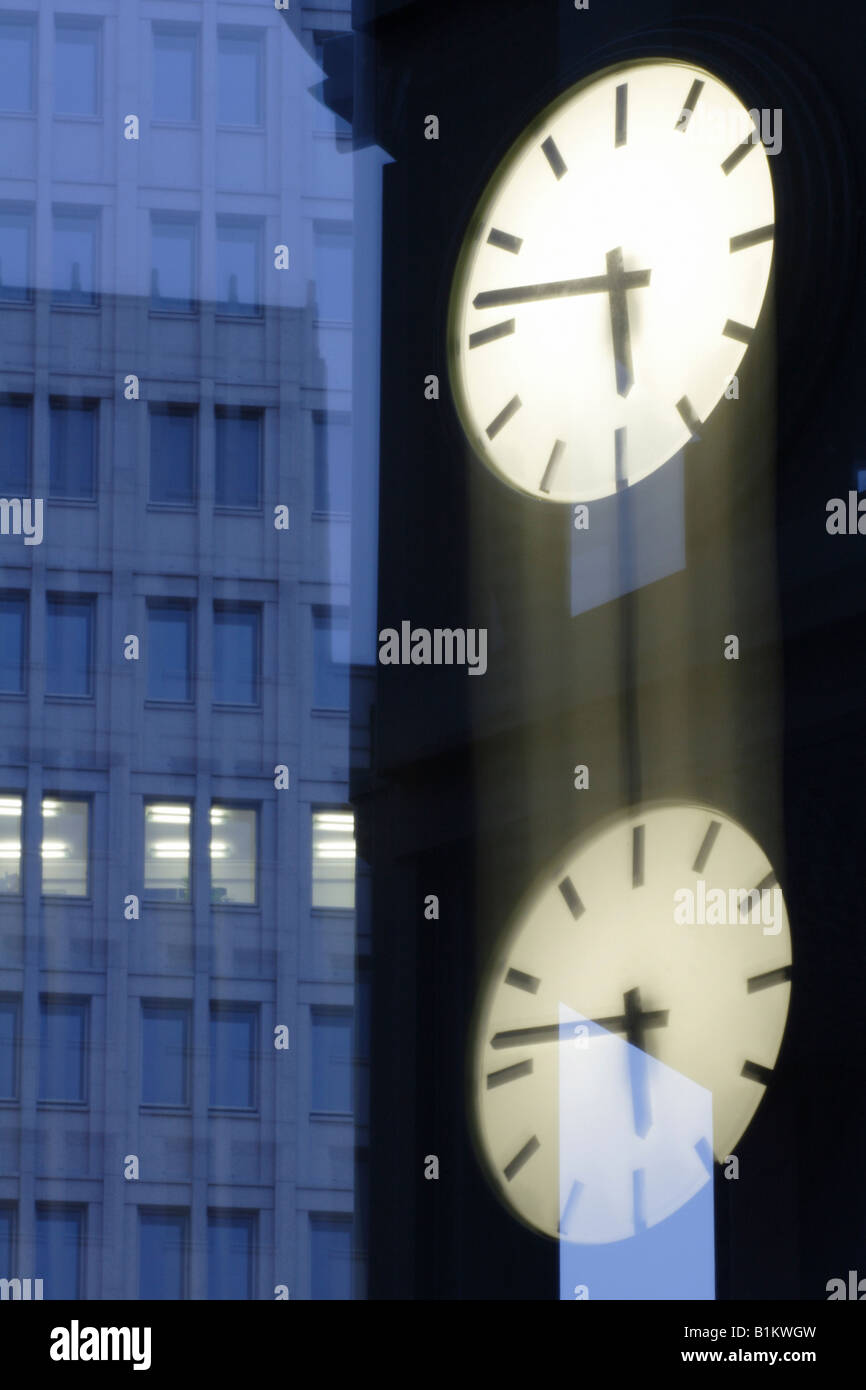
(619, 324)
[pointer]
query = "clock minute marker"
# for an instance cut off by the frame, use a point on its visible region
(767, 882)
(504, 240)
(553, 157)
(621, 128)
(520, 980)
(555, 455)
(505, 1074)
(638, 837)
(489, 335)
(706, 846)
(740, 332)
(769, 978)
(505, 414)
(521, 1157)
(689, 417)
(744, 240)
(739, 152)
(572, 899)
(691, 102)
(753, 1071)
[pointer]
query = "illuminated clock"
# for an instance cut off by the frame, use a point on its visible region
(605, 937)
(611, 280)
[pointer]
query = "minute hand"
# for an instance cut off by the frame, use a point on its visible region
(560, 289)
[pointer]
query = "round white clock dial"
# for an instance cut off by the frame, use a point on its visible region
(640, 939)
(611, 280)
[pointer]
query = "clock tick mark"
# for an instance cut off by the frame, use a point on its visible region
(489, 335)
(553, 157)
(688, 417)
(499, 1078)
(744, 240)
(568, 1209)
(520, 980)
(748, 901)
(740, 332)
(753, 1071)
(739, 152)
(572, 901)
(637, 856)
(503, 417)
(619, 459)
(768, 979)
(705, 1154)
(504, 240)
(621, 133)
(555, 455)
(690, 103)
(513, 1167)
(706, 846)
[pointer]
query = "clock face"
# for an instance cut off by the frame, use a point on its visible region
(633, 975)
(611, 281)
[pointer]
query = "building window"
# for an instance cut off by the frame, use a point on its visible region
(68, 645)
(73, 449)
(7, 1237)
(63, 1049)
(331, 658)
(9, 1024)
(233, 1045)
(240, 78)
(10, 844)
(325, 119)
(169, 650)
(332, 247)
(77, 68)
(60, 1250)
(65, 833)
(238, 457)
(173, 264)
(330, 1257)
(230, 1244)
(332, 461)
(233, 874)
(334, 859)
(238, 272)
(175, 74)
(16, 240)
(13, 643)
(172, 455)
(76, 237)
(165, 1031)
(236, 654)
(167, 827)
(15, 446)
(163, 1245)
(332, 1061)
(17, 62)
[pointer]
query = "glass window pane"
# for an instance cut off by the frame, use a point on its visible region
(238, 247)
(334, 859)
(332, 245)
(233, 854)
(330, 660)
(63, 1049)
(15, 448)
(164, 1054)
(73, 449)
(236, 656)
(7, 1232)
(233, 1032)
(75, 236)
(15, 241)
(169, 651)
(59, 1251)
(9, 1013)
(13, 638)
(64, 848)
(325, 119)
(175, 75)
(332, 459)
(332, 1060)
(240, 79)
(172, 276)
(230, 1254)
(330, 1257)
(172, 455)
(238, 457)
(166, 851)
(10, 842)
(76, 69)
(17, 44)
(162, 1254)
(68, 646)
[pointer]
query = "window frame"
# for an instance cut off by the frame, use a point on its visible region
(223, 606)
(228, 1006)
(83, 1002)
(188, 606)
(187, 410)
(83, 799)
(84, 404)
(85, 213)
(227, 412)
(177, 29)
(21, 596)
(59, 599)
(167, 305)
(26, 211)
(183, 1008)
(156, 800)
(7, 997)
(257, 36)
(88, 24)
(232, 804)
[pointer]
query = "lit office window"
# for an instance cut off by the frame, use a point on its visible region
(173, 264)
(7, 1235)
(230, 1244)
(332, 461)
(330, 658)
(163, 1246)
(238, 457)
(167, 827)
(332, 247)
(233, 1039)
(68, 645)
(332, 1060)
(165, 1029)
(238, 267)
(334, 859)
(330, 1257)
(13, 642)
(63, 1049)
(14, 446)
(169, 650)
(60, 1250)
(77, 68)
(16, 240)
(65, 833)
(10, 842)
(9, 1015)
(240, 78)
(175, 74)
(172, 455)
(236, 654)
(17, 62)
(73, 449)
(76, 239)
(233, 854)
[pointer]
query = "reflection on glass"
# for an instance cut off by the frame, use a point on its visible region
(75, 246)
(14, 446)
(10, 844)
(330, 1257)
(239, 78)
(236, 657)
(15, 240)
(334, 859)
(230, 1242)
(167, 851)
(59, 1248)
(169, 651)
(175, 71)
(331, 658)
(233, 854)
(162, 1254)
(172, 273)
(17, 46)
(332, 1060)
(73, 449)
(8, 1049)
(165, 1053)
(238, 255)
(76, 69)
(65, 828)
(238, 457)
(233, 1032)
(63, 1049)
(68, 646)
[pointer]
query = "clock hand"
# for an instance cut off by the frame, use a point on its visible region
(564, 1032)
(619, 325)
(637, 1062)
(561, 289)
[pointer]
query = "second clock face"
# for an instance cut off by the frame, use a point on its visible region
(612, 281)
